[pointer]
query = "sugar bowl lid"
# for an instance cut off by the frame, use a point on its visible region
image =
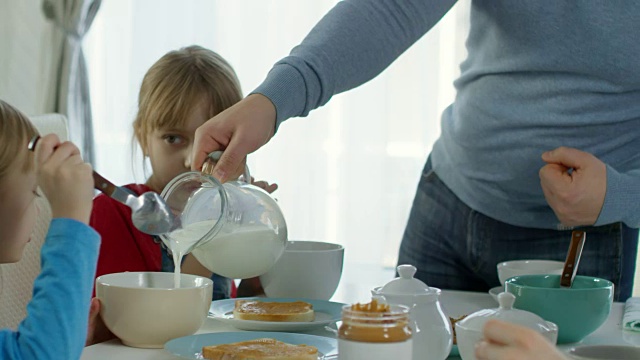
(506, 313)
(406, 284)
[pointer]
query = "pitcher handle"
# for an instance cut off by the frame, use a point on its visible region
(215, 157)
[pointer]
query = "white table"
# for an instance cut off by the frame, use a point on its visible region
(454, 303)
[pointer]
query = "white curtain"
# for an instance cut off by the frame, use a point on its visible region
(72, 20)
(348, 172)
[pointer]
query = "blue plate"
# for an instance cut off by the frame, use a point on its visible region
(190, 347)
(326, 312)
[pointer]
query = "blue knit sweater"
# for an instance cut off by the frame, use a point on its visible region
(539, 74)
(57, 316)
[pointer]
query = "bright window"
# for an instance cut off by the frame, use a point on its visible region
(348, 172)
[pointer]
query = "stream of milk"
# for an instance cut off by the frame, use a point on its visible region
(180, 241)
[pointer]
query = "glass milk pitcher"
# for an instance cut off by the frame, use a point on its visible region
(234, 229)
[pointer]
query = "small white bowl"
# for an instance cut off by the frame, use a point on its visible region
(509, 269)
(494, 292)
(145, 310)
(306, 269)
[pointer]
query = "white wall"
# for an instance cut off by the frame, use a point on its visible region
(26, 38)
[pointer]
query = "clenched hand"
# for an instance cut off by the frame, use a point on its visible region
(574, 183)
(505, 341)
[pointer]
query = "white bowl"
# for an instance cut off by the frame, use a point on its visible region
(509, 269)
(306, 269)
(145, 310)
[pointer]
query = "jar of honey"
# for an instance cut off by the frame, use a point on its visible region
(375, 331)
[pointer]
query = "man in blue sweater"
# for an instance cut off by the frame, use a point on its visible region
(542, 137)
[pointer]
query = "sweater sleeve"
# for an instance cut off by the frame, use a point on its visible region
(352, 44)
(621, 200)
(56, 324)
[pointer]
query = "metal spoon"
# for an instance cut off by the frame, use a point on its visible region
(149, 212)
(578, 238)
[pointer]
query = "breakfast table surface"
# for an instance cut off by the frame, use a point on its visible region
(454, 303)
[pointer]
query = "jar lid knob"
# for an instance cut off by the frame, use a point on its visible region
(407, 271)
(506, 300)
(407, 284)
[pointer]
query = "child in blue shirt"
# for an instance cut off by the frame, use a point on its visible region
(56, 324)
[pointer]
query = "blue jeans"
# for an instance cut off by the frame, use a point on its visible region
(456, 247)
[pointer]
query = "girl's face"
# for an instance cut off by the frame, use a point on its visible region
(18, 212)
(169, 150)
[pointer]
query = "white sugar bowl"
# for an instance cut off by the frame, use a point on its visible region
(432, 333)
(469, 330)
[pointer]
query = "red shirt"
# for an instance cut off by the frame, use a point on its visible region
(124, 247)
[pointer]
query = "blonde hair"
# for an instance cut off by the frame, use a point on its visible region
(177, 83)
(15, 132)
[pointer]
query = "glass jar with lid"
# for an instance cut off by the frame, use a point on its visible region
(375, 331)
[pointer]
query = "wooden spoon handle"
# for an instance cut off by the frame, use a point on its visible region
(103, 184)
(578, 238)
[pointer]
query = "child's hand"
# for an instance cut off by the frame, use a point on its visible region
(504, 341)
(97, 331)
(264, 185)
(65, 179)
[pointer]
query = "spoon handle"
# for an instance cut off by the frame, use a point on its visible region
(103, 184)
(578, 238)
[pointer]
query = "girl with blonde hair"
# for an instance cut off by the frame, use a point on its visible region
(181, 91)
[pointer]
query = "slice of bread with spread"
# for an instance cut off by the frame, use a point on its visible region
(297, 311)
(260, 349)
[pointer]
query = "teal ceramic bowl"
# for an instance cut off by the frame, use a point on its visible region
(454, 351)
(578, 311)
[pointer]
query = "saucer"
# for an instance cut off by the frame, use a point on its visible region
(326, 313)
(608, 352)
(494, 292)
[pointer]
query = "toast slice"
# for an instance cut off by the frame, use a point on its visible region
(297, 311)
(260, 349)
